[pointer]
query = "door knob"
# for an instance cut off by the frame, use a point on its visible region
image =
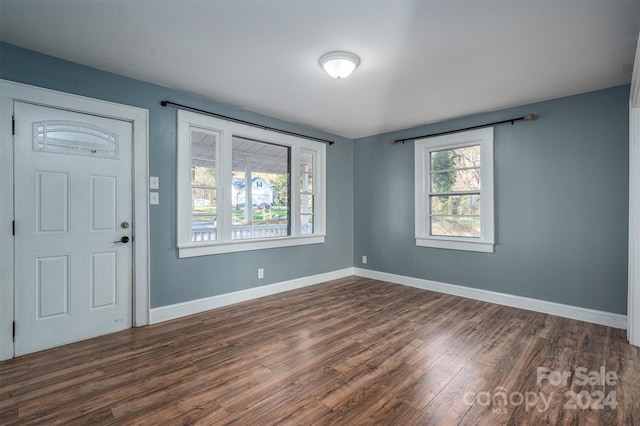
(122, 240)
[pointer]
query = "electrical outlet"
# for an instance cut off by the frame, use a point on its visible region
(154, 198)
(364, 260)
(260, 273)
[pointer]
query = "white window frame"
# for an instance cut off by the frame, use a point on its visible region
(423, 148)
(227, 129)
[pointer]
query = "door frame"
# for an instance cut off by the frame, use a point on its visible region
(139, 118)
(633, 301)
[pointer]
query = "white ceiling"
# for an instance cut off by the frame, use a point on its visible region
(421, 61)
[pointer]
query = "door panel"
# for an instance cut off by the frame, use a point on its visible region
(104, 203)
(51, 287)
(73, 189)
(104, 279)
(52, 202)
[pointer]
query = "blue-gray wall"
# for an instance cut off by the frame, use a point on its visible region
(561, 198)
(175, 280)
(561, 204)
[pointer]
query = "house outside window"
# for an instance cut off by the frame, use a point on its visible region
(454, 191)
(241, 188)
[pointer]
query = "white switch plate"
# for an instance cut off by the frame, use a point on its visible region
(154, 182)
(154, 198)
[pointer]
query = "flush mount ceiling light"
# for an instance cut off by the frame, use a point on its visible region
(339, 64)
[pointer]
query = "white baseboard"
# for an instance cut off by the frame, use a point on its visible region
(559, 309)
(165, 313)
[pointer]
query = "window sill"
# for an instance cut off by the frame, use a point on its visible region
(449, 244)
(193, 250)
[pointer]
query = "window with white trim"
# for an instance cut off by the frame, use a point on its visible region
(454, 191)
(243, 188)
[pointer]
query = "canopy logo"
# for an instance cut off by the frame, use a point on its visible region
(594, 398)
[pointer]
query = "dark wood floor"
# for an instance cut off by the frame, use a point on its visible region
(352, 351)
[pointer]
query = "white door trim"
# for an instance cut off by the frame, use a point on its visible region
(139, 117)
(633, 301)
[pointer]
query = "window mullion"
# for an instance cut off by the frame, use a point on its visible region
(248, 191)
(318, 200)
(455, 169)
(454, 215)
(225, 176)
(314, 199)
(294, 188)
(473, 192)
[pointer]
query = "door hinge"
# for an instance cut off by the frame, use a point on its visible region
(14, 331)
(13, 227)
(13, 125)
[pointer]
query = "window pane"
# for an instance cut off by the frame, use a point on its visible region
(203, 157)
(306, 224)
(306, 171)
(457, 158)
(238, 198)
(260, 193)
(203, 201)
(306, 204)
(280, 186)
(456, 180)
(205, 176)
(203, 228)
(75, 138)
(271, 215)
(456, 226)
(306, 183)
(455, 204)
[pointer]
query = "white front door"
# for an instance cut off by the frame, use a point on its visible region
(73, 238)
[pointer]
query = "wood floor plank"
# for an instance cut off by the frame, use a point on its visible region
(348, 352)
(187, 409)
(358, 406)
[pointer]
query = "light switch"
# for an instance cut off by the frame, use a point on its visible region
(154, 182)
(154, 198)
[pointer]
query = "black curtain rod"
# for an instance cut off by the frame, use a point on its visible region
(512, 120)
(248, 123)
